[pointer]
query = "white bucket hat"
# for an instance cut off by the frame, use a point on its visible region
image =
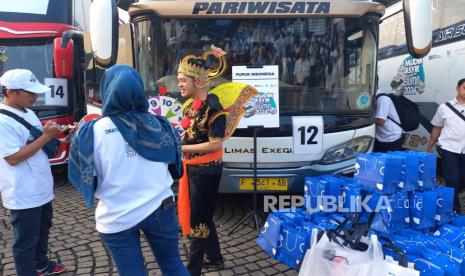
(22, 79)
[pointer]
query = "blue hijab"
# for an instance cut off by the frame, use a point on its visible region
(124, 102)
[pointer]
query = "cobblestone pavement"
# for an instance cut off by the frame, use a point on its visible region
(74, 240)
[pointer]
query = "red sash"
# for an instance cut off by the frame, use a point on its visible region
(184, 205)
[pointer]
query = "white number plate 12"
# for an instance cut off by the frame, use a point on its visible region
(307, 133)
(58, 94)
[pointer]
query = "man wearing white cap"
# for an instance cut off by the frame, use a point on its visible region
(26, 182)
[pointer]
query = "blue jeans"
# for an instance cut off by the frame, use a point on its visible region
(453, 169)
(161, 230)
(30, 238)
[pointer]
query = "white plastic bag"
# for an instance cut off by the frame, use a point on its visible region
(327, 258)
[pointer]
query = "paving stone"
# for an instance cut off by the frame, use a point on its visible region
(228, 272)
(252, 266)
(269, 271)
(212, 273)
(240, 270)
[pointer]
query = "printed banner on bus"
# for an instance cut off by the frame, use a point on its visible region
(263, 109)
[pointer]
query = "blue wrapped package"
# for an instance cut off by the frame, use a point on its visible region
(450, 265)
(405, 244)
(410, 170)
(268, 239)
(378, 173)
(395, 217)
(445, 247)
(322, 193)
(352, 197)
(423, 209)
(294, 242)
(313, 188)
(445, 205)
(453, 234)
(427, 170)
(270, 236)
(425, 267)
(324, 223)
(333, 185)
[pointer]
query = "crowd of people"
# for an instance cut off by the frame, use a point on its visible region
(309, 59)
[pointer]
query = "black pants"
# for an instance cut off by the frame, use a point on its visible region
(389, 146)
(30, 238)
(453, 169)
(203, 188)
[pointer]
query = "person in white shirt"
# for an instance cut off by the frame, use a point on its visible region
(131, 152)
(302, 68)
(26, 182)
(449, 133)
(388, 134)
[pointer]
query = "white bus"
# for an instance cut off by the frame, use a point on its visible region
(325, 52)
(429, 81)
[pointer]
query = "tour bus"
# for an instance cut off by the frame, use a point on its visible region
(323, 59)
(43, 37)
(429, 81)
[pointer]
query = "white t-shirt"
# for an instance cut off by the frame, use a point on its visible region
(30, 183)
(390, 131)
(452, 136)
(301, 70)
(130, 187)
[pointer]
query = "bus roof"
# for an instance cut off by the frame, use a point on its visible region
(258, 9)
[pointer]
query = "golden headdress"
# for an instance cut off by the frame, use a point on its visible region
(201, 75)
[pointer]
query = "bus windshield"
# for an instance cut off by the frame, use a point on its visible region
(326, 65)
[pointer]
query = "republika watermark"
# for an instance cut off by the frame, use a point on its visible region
(341, 204)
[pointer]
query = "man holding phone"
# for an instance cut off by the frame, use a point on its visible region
(26, 182)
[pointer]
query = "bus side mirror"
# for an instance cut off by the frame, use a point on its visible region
(63, 58)
(104, 31)
(418, 20)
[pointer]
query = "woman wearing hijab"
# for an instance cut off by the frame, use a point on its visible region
(135, 156)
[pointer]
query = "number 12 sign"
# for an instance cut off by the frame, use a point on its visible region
(307, 134)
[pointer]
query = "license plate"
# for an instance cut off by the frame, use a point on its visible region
(264, 184)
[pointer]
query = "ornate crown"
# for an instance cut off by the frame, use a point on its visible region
(198, 73)
(202, 76)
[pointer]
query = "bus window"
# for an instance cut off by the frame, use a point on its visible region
(37, 57)
(323, 67)
(449, 14)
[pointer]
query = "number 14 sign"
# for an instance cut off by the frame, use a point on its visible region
(307, 134)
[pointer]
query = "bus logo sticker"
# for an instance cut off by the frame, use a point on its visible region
(263, 103)
(3, 56)
(410, 78)
(363, 101)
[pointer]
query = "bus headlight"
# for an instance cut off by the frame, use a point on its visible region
(347, 150)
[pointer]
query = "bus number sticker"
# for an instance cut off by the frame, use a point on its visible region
(58, 94)
(307, 134)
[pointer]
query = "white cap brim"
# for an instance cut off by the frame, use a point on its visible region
(37, 88)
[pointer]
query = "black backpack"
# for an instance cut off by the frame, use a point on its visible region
(408, 112)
